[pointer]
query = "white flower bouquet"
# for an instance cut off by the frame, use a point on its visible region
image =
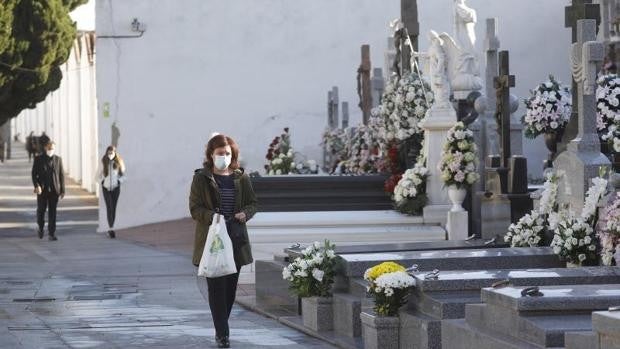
(281, 158)
(312, 274)
(410, 191)
(529, 230)
(574, 240)
(362, 151)
(548, 109)
(458, 158)
(389, 285)
(610, 236)
(608, 109)
(403, 105)
(334, 144)
(305, 167)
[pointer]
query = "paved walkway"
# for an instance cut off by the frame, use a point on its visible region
(88, 291)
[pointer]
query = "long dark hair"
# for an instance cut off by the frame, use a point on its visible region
(117, 162)
(219, 141)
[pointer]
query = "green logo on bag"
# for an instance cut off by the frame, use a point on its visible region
(217, 245)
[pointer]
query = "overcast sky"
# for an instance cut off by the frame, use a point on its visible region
(85, 16)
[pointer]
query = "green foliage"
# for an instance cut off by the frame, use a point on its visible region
(36, 37)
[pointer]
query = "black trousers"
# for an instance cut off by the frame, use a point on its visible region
(111, 199)
(47, 201)
(222, 292)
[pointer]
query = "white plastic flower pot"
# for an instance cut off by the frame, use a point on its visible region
(457, 196)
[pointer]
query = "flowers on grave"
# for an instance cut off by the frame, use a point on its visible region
(410, 192)
(281, 158)
(610, 236)
(389, 285)
(574, 240)
(608, 109)
(548, 109)
(458, 158)
(362, 152)
(403, 105)
(312, 274)
(334, 144)
(529, 230)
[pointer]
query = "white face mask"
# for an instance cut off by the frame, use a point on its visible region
(111, 156)
(221, 162)
(50, 153)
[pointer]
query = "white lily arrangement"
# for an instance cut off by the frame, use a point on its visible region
(608, 109)
(548, 109)
(312, 274)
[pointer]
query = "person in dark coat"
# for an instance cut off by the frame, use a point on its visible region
(221, 186)
(31, 145)
(49, 184)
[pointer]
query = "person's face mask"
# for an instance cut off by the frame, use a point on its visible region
(50, 152)
(111, 156)
(221, 162)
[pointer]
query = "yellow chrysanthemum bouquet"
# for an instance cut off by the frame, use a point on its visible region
(389, 285)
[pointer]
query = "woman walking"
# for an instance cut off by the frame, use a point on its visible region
(111, 177)
(222, 187)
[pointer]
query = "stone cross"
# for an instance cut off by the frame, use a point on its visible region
(583, 158)
(345, 115)
(378, 85)
(578, 10)
(332, 108)
(364, 90)
(502, 84)
(409, 18)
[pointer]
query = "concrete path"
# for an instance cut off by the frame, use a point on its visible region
(88, 291)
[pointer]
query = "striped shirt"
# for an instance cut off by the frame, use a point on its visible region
(226, 186)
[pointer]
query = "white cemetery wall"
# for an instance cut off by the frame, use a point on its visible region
(250, 68)
(68, 116)
(244, 68)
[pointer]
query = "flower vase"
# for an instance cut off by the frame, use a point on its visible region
(317, 313)
(380, 332)
(457, 196)
(551, 141)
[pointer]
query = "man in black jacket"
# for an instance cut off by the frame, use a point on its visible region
(49, 184)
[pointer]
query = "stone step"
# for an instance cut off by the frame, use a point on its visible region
(271, 289)
(443, 305)
(347, 309)
(418, 330)
(354, 265)
(606, 324)
(457, 333)
(581, 340)
(555, 298)
(544, 330)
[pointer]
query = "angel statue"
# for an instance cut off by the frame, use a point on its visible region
(465, 26)
(438, 71)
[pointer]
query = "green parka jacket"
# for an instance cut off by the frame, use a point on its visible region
(202, 208)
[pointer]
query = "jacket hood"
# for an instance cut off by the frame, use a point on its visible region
(209, 174)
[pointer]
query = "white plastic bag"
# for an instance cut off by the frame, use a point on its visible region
(218, 257)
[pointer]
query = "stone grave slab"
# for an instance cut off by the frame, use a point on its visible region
(410, 246)
(443, 298)
(606, 325)
(354, 265)
(509, 320)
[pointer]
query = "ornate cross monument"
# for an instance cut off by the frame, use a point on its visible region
(578, 10)
(582, 158)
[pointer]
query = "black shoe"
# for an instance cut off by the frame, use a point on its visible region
(112, 234)
(52, 237)
(40, 233)
(222, 342)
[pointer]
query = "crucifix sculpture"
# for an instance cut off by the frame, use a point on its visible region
(503, 82)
